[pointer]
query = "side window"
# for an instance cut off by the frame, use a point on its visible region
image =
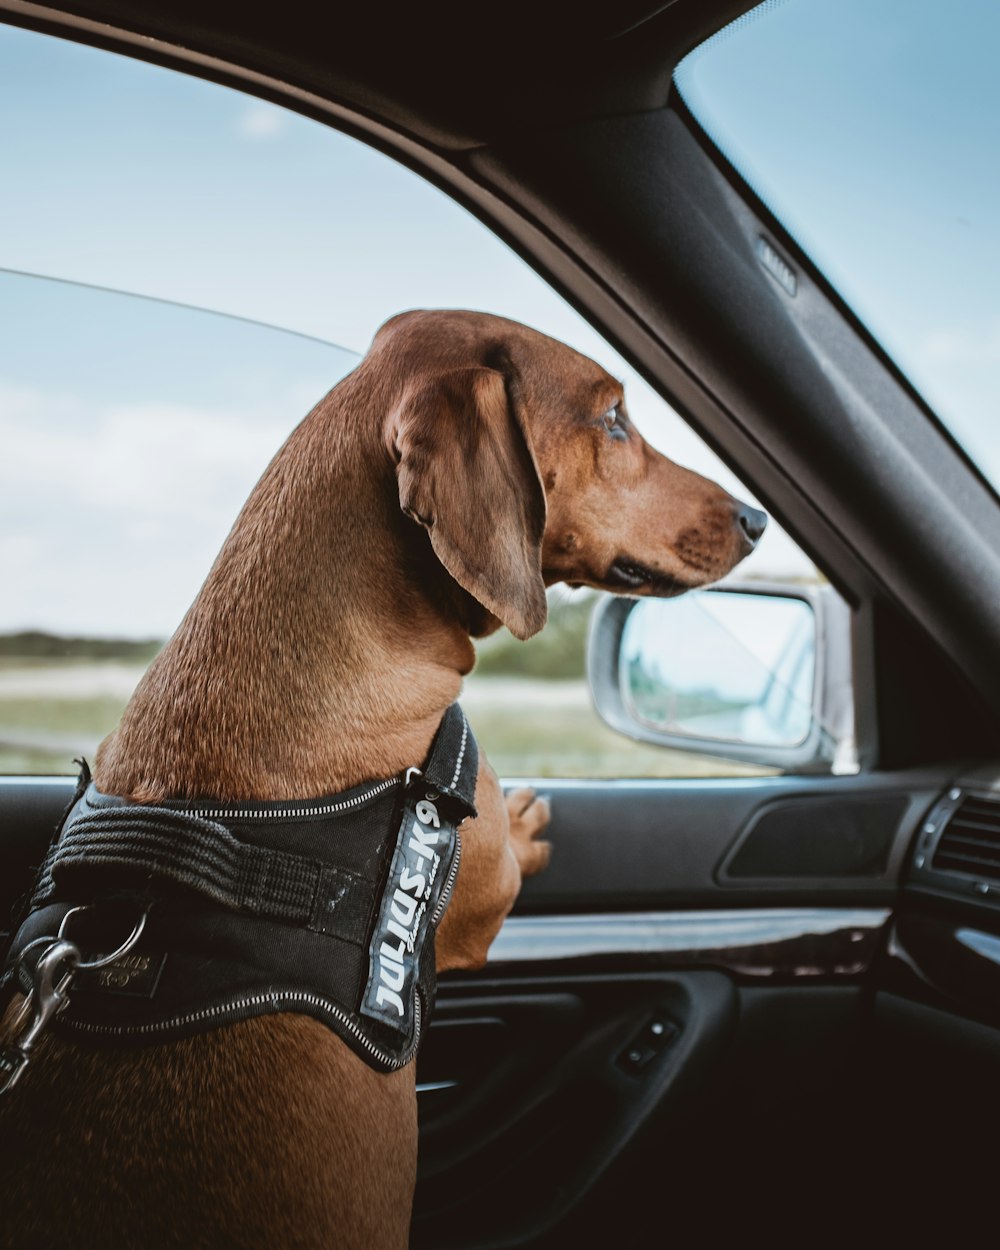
(186, 270)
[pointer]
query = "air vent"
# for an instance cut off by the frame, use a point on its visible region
(970, 842)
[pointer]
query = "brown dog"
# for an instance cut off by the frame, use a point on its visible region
(466, 464)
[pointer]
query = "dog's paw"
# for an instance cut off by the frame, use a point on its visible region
(529, 815)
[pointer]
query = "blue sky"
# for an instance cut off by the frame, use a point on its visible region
(871, 128)
(129, 176)
(134, 177)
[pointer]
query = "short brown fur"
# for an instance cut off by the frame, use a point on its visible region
(405, 513)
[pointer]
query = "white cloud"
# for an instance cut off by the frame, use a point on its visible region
(113, 514)
(263, 121)
(155, 459)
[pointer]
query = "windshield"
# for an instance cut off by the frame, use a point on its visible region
(870, 128)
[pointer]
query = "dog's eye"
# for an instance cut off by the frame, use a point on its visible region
(611, 421)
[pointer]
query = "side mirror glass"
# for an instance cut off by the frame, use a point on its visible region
(726, 667)
(749, 673)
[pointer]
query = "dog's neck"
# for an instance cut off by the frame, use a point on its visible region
(323, 647)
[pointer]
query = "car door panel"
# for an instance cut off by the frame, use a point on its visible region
(553, 1151)
(722, 843)
(758, 982)
(588, 1060)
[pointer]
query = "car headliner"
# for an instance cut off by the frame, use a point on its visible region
(433, 69)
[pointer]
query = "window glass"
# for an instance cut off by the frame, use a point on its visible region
(870, 128)
(132, 432)
(179, 265)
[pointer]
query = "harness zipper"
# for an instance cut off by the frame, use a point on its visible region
(449, 883)
(289, 997)
(327, 809)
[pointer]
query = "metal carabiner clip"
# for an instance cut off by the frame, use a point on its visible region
(52, 977)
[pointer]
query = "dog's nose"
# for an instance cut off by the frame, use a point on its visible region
(752, 522)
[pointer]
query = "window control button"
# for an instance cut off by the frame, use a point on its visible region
(659, 1033)
(636, 1057)
(646, 1046)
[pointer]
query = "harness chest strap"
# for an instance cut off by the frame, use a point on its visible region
(326, 907)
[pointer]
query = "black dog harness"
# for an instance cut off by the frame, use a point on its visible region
(326, 907)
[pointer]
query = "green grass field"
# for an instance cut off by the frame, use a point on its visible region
(528, 703)
(53, 710)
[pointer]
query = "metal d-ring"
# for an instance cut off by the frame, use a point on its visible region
(126, 946)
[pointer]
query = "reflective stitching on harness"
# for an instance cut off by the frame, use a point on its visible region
(461, 751)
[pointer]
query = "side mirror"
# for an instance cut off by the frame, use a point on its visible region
(752, 672)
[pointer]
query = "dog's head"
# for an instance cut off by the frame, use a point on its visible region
(517, 455)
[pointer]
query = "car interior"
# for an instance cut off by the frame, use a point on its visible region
(765, 1002)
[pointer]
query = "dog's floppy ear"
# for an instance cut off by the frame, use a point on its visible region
(466, 472)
